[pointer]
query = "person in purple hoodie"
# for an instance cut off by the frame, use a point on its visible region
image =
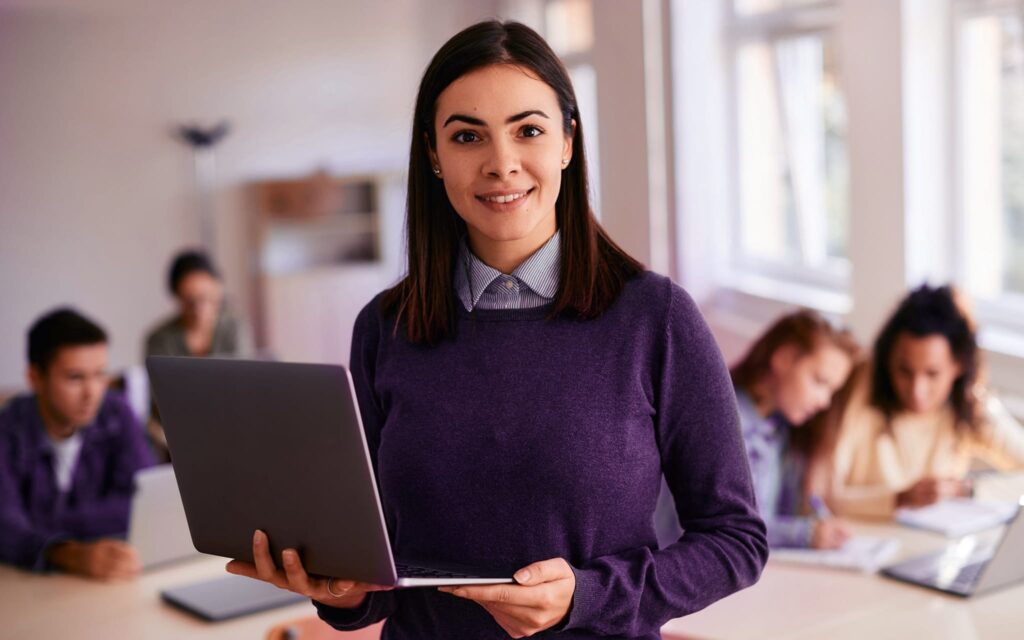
(527, 385)
(68, 455)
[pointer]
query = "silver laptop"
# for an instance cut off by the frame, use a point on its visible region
(227, 597)
(968, 567)
(280, 447)
(158, 529)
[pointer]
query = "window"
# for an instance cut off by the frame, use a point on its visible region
(569, 29)
(989, 152)
(790, 209)
(753, 7)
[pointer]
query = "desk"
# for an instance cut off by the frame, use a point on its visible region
(62, 606)
(798, 602)
(789, 602)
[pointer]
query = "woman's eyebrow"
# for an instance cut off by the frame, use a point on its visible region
(461, 118)
(477, 122)
(526, 114)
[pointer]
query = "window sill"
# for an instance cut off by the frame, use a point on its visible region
(745, 304)
(1004, 356)
(827, 300)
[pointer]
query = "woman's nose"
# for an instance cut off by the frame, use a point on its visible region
(503, 160)
(920, 391)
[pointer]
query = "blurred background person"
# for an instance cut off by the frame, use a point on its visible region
(202, 326)
(68, 454)
(919, 413)
(787, 377)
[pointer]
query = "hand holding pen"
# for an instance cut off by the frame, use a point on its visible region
(828, 532)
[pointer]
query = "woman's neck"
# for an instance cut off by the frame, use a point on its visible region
(761, 396)
(506, 255)
(199, 339)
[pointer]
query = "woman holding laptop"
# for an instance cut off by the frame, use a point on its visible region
(526, 385)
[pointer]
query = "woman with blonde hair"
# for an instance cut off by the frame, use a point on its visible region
(788, 377)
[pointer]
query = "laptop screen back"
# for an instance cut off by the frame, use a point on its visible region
(1007, 564)
(158, 529)
(278, 447)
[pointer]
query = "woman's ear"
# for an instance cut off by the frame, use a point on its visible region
(567, 144)
(435, 164)
(783, 358)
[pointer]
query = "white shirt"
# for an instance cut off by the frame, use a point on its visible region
(65, 456)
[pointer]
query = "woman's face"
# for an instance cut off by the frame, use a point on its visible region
(501, 150)
(923, 371)
(803, 383)
(199, 298)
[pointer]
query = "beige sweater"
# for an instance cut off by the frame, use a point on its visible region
(869, 466)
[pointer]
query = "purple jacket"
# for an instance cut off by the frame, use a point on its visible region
(33, 512)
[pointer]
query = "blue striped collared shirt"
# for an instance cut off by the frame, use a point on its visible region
(533, 283)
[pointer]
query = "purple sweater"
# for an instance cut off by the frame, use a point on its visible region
(33, 512)
(525, 439)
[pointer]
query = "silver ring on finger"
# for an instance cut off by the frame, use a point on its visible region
(331, 591)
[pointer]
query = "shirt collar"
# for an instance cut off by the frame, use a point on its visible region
(764, 426)
(35, 428)
(540, 272)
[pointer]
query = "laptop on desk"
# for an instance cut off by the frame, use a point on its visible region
(280, 447)
(967, 568)
(159, 532)
(157, 528)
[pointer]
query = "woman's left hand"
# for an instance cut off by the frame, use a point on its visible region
(539, 600)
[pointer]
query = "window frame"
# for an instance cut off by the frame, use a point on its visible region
(1002, 318)
(827, 287)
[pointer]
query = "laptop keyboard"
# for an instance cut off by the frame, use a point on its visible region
(410, 571)
(967, 576)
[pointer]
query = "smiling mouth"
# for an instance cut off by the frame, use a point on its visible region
(506, 197)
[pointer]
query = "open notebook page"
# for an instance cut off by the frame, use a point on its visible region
(860, 553)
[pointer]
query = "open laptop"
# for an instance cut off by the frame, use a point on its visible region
(280, 447)
(966, 567)
(157, 528)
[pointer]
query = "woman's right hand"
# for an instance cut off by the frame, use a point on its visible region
(347, 594)
(829, 534)
(930, 490)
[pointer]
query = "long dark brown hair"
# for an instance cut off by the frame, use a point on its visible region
(807, 331)
(593, 268)
(930, 311)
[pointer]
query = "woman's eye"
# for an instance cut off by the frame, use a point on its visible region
(530, 131)
(465, 137)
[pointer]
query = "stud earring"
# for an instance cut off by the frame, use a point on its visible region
(437, 171)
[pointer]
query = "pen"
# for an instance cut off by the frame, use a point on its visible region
(820, 508)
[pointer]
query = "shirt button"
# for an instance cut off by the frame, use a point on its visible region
(509, 284)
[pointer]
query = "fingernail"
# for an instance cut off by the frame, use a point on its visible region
(256, 537)
(522, 576)
(288, 557)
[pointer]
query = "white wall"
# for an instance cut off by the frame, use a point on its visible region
(95, 194)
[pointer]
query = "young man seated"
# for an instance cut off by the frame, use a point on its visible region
(68, 454)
